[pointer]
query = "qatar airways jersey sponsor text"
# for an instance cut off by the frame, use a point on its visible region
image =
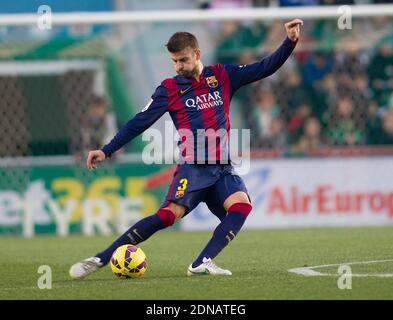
(205, 101)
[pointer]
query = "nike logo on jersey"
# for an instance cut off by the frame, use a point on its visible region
(185, 90)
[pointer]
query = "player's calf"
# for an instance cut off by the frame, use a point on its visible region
(166, 216)
(140, 231)
(237, 215)
(225, 232)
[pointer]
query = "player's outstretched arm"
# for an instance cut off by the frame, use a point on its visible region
(242, 75)
(93, 158)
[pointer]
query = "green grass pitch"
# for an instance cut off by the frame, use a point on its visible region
(259, 260)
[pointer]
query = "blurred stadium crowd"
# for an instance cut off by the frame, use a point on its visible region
(336, 90)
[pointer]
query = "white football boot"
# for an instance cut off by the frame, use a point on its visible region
(85, 267)
(208, 267)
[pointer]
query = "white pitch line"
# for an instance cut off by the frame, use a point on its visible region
(309, 272)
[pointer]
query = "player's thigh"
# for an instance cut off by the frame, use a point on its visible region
(174, 199)
(185, 192)
(230, 189)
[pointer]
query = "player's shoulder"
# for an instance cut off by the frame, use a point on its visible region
(221, 71)
(169, 83)
(216, 67)
(218, 70)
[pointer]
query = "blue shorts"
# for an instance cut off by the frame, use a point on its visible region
(209, 183)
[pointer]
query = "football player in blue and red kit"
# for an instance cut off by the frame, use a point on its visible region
(198, 98)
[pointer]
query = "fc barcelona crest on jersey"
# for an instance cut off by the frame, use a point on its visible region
(179, 194)
(212, 82)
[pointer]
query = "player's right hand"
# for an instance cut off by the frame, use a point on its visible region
(293, 29)
(93, 158)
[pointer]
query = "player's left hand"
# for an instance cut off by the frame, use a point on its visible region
(293, 29)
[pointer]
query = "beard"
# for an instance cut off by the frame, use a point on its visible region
(189, 74)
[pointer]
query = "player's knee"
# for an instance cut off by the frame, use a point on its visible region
(242, 207)
(166, 216)
(177, 209)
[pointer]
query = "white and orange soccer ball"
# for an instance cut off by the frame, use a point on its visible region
(128, 261)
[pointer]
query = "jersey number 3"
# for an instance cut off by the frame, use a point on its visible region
(183, 185)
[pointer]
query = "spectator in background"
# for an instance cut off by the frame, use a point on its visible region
(293, 84)
(245, 94)
(373, 124)
(386, 137)
(350, 61)
(277, 138)
(230, 42)
(336, 88)
(262, 116)
(97, 128)
(315, 69)
(381, 74)
(234, 38)
(272, 38)
(361, 94)
(297, 121)
(324, 96)
(311, 138)
(344, 130)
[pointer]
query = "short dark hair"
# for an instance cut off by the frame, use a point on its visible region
(180, 41)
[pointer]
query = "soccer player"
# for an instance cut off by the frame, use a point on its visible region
(197, 98)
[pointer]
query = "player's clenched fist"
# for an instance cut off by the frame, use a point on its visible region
(93, 158)
(293, 29)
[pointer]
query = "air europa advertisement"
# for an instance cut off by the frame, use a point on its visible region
(314, 192)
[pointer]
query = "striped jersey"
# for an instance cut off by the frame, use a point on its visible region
(200, 108)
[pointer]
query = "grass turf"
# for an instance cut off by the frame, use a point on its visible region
(258, 259)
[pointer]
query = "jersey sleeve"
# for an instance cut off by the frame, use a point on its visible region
(157, 106)
(241, 75)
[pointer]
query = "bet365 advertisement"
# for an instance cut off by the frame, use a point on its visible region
(71, 199)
